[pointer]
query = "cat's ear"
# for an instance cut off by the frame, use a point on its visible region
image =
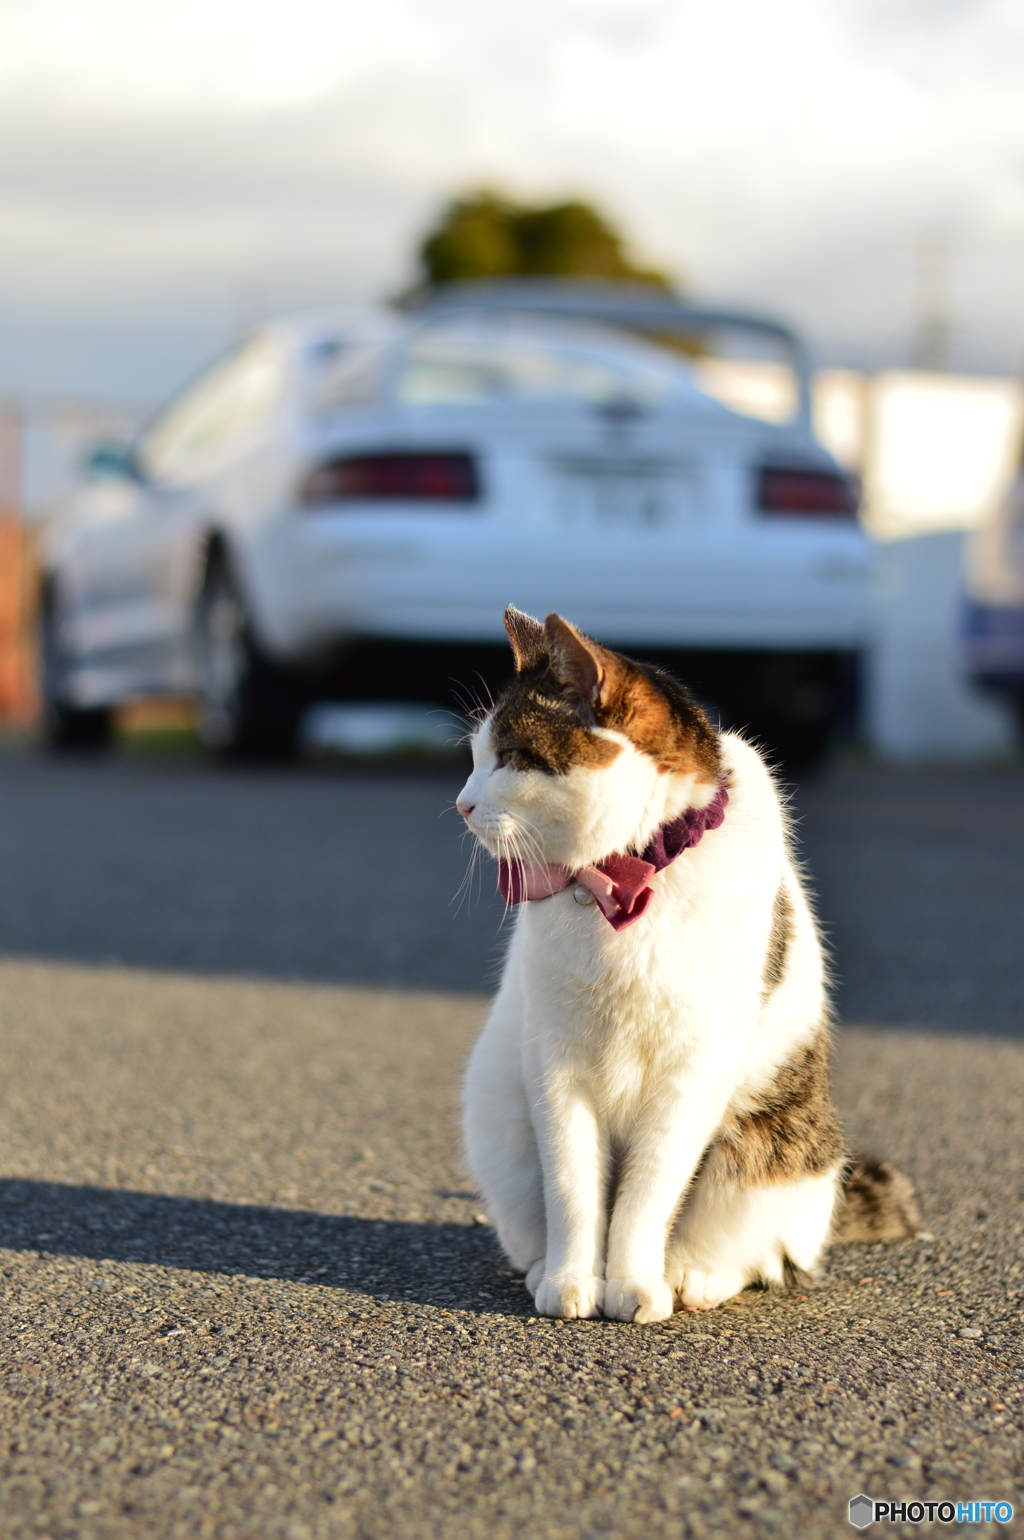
(528, 637)
(578, 662)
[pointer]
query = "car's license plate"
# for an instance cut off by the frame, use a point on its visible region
(621, 495)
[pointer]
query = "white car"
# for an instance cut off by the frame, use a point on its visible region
(343, 506)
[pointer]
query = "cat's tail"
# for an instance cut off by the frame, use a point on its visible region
(876, 1203)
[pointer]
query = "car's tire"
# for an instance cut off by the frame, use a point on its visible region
(795, 705)
(247, 707)
(64, 725)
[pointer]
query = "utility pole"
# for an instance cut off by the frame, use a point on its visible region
(932, 328)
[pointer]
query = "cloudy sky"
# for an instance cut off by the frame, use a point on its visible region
(169, 171)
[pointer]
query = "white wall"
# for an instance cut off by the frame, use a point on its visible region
(918, 704)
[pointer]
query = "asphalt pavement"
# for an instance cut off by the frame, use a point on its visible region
(247, 1290)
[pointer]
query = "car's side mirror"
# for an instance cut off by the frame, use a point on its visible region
(106, 459)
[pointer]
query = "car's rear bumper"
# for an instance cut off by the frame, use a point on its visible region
(328, 582)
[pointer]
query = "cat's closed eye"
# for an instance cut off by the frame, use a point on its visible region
(521, 758)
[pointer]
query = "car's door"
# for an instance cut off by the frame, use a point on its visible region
(137, 531)
(122, 523)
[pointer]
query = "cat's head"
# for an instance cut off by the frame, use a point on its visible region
(586, 753)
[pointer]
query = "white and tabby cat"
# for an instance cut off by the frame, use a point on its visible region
(647, 1112)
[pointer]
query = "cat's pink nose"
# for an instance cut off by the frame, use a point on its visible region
(465, 808)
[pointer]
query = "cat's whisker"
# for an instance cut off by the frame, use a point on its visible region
(473, 873)
(531, 843)
(464, 892)
(503, 855)
(511, 858)
(526, 843)
(489, 694)
(510, 842)
(456, 720)
(470, 703)
(471, 719)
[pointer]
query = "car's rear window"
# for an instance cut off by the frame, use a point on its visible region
(452, 364)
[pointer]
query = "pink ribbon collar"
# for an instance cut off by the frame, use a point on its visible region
(620, 884)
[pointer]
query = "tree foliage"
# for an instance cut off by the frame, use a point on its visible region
(487, 235)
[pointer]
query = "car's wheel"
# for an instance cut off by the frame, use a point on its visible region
(248, 708)
(64, 724)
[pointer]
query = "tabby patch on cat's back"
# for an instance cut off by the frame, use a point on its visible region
(648, 1112)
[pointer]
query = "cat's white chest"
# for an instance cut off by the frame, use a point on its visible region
(614, 1008)
(628, 979)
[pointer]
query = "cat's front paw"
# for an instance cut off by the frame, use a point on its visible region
(569, 1296)
(637, 1299)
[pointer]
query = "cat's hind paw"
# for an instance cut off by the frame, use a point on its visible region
(534, 1274)
(569, 1296)
(704, 1291)
(637, 1299)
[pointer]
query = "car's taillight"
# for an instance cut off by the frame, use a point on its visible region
(805, 494)
(447, 477)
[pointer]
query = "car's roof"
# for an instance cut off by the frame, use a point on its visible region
(631, 307)
(552, 312)
(640, 306)
(560, 303)
(343, 324)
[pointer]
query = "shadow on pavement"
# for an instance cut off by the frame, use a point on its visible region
(450, 1266)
